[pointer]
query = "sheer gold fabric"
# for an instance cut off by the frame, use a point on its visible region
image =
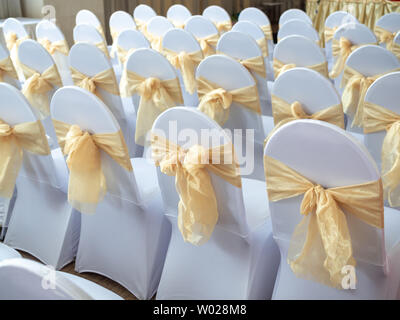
(321, 244)
(60, 46)
(280, 67)
(208, 44)
(12, 41)
(255, 64)
(124, 54)
(267, 32)
(215, 101)
(14, 141)
(198, 207)
(156, 41)
(87, 184)
(329, 33)
(385, 36)
(223, 26)
(7, 69)
(263, 44)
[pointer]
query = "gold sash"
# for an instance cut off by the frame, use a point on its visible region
(356, 86)
(55, 46)
(101, 31)
(14, 141)
(87, 184)
(208, 44)
(267, 32)
(187, 64)
(256, 64)
(280, 67)
(396, 49)
(105, 80)
(215, 101)
(385, 36)
(37, 86)
(13, 41)
(262, 43)
(156, 41)
(321, 244)
(124, 54)
(329, 33)
(7, 68)
(177, 24)
(223, 26)
(198, 207)
(376, 119)
(156, 96)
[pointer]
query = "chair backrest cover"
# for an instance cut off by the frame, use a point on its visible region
(298, 27)
(294, 14)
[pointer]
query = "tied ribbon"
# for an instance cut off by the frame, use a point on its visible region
(329, 33)
(37, 87)
(208, 44)
(356, 86)
(376, 119)
(13, 42)
(267, 32)
(87, 184)
(60, 46)
(262, 43)
(385, 36)
(215, 101)
(280, 67)
(198, 207)
(141, 25)
(255, 64)
(156, 96)
(156, 41)
(7, 69)
(321, 244)
(187, 64)
(124, 54)
(223, 26)
(14, 141)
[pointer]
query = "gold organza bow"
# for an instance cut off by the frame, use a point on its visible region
(156, 41)
(223, 26)
(55, 46)
(385, 36)
(356, 86)
(156, 96)
(208, 44)
(280, 67)
(87, 184)
(187, 64)
(329, 33)
(101, 31)
(267, 32)
(396, 49)
(14, 141)
(7, 68)
(142, 26)
(376, 119)
(105, 80)
(215, 101)
(255, 64)
(263, 44)
(12, 41)
(124, 54)
(198, 208)
(37, 87)
(321, 244)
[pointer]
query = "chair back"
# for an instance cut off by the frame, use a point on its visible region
(4, 54)
(298, 27)
(217, 15)
(293, 14)
(178, 14)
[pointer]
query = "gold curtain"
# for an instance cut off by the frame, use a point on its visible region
(366, 11)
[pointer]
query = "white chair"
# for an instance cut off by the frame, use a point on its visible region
(88, 17)
(360, 61)
(332, 23)
(298, 27)
(11, 27)
(129, 41)
(328, 156)
(178, 40)
(258, 17)
(24, 279)
(48, 32)
(178, 14)
(294, 14)
(220, 17)
(128, 225)
(90, 61)
(142, 14)
(35, 57)
(85, 33)
(8, 253)
(205, 32)
(42, 222)
(240, 260)
(4, 54)
(358, 34)
(389, 22)
(230, 75)
(157, 27)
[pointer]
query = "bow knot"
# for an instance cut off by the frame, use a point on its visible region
(48, 45)
(311, 199)
(11, 40)
(89, 84)
(149, 88)
(5, 130)
(298, 111)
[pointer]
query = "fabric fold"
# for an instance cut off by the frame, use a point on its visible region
(223, 26)
(329, 33)
(60, 46)
(385, 36)
(255, 64)
(208, 44)
(267, 29)
(7, 69)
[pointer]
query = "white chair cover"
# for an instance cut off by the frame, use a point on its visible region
(389, 22)
(178, 14)
(292, 14)
(298, 27)
(216, 14)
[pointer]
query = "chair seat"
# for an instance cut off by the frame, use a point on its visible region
(8, 253)
(255, 202)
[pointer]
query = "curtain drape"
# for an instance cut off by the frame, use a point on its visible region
(10, 8)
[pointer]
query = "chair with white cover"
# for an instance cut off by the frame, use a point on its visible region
(359, 73)
(258, 17)
(42, 81)
(123, 235)
(346, 39)
(8, 253)
(85, 33)
(301, 28)
(184, 53)
(245, 50)
(205, 32)
(220, 17)
(235, 260)
(24, 279)
(324, 160)
(220, 78)
(92, 71)
(178, 14)
(42, 222)
(14, 33)
(157, 27)
(51, 37)
(142, 14)
(294, 14)
(8, 72)
(386, 29)
(129, 41)
(89, 18)
(332, 23)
